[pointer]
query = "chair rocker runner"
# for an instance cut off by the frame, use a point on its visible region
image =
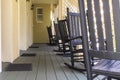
(109, 64)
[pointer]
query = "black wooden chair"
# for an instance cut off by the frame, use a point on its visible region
(58, 38)
(75, 39)
(52, 38)
(62, 25)
(109, 63)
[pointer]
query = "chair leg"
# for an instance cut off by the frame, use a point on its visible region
(109, 78)
(72, 60)
(64, 48)
(60, 47)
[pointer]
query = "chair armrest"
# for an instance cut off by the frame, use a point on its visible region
(104, 54)
(76, 38)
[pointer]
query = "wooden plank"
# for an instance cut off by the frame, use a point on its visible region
(42, 68)
(91, 24)
(99, 24)
(32, 74)
(108, 27)
(78, 24)
(68, 72)
(58, 70)
(28, 75)
(104, 54)
(75, 26)
(116, 17)
(72, 24)
(50, 73)
(12, 75)
(46, 66)
(3, 75)
(22, 75)
(79, 75)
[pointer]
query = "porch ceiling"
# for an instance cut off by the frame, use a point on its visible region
(45, 1)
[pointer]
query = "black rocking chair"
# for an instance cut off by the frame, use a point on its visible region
(62, 25)
(58, 38)
(75, 39)
(52, 38)
(109, 58)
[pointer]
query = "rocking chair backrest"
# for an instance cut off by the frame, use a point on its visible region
(49, 32)
(57, 31)
(74, 27)
(62, 25)
(103, 29)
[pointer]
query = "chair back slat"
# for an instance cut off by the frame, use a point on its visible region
(91, 25)
(49, 31)
(74, 24)
(71, 28)
(104, 24)
(107, 25)
(74, 27)
(99, 25)
(62, 24)
(57, 31)
(116, 18)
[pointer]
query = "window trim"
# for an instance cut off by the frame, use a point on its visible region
(39, 14)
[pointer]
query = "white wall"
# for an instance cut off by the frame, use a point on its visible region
(9, 18)
(22, 24)
(29, 23)
(0, 40)
(7, 31)
(25, 24)
(16, 28)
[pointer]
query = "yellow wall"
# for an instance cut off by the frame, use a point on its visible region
(55, 13)
(46, 1)
(9, 30)
(40, 34)
(60, 9)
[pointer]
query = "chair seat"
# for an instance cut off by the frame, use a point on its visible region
(76, 42)
(109, 67)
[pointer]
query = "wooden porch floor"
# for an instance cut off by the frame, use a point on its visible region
(45, 66)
